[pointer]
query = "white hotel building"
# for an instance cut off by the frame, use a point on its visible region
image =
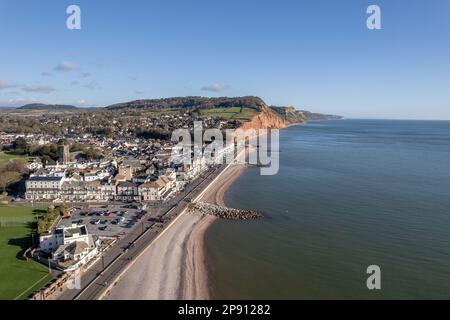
(48, 187)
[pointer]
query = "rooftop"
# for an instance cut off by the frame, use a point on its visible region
(72, 231)
(45, 178)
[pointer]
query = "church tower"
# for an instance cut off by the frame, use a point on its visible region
(64, 152)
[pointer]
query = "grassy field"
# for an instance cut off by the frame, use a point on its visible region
(4, 157)
(18, 277)
(232, 113)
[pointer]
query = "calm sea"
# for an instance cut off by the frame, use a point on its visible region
(349, 194)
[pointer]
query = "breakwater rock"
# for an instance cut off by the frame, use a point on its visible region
(224, 212)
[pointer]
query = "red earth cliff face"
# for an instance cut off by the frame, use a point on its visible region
(266, 119)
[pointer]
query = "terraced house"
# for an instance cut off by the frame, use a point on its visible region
(79, 191)
(44, 187)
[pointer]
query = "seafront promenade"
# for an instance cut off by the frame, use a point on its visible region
(97, 278)
(174, 267)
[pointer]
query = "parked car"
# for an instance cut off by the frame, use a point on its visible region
(103, 228)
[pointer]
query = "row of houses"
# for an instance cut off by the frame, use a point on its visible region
(63, 189)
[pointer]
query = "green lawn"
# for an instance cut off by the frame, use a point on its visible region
(231, 113)
(18, 277)
(5, 157)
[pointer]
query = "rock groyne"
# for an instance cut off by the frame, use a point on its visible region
(224, 212)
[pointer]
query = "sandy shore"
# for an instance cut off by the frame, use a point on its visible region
(173, 266)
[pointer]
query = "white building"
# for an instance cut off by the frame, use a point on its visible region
(70, 247)
(47, 187)
(152, 191)
(160, 189)
(96, 175)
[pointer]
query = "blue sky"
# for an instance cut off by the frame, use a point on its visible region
(312, 54)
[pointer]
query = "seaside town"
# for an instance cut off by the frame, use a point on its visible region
(102, 184)
(212, 159)
(97, 200)
(102, 181)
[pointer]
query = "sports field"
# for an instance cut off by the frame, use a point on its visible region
(18, 277)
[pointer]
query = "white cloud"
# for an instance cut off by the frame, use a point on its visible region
(82, 103)
(38, 89)
(215, 88)
(6, 85)
(26, 88)
(65, 66)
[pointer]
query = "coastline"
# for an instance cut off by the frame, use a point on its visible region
(194, 281)
(174, 266)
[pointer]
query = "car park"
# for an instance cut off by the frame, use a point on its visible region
(117, 219)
